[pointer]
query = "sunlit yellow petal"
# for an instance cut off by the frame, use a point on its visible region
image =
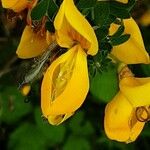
(65, 83)
(31, 44)
(72, 27)
(136, 90)
(120, 122)
(58, 119)
(16, 5)
(133, 50)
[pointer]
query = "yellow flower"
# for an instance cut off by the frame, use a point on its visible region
(132, 51)
(145, 19)
(31, 44)
(66, 83)
(72, 28)
(25, 89)
(127, 113)
(15, 5)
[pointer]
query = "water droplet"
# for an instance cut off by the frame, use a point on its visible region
(26, 100)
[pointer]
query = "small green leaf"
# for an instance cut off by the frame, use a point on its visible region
(101, 14)
(118, 11)
(104, 85)
(120, 40)
(39, 10)
(82, 4)
(52, 9)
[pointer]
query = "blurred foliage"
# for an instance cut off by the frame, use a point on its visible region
(22, 126)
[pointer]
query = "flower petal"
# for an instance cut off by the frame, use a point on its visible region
(71, 26)
(136, 90)
(133, 50)
(16, 5)
(122, 1)
(120, 122)
(31, 44)
(65, 83)
(58, 119)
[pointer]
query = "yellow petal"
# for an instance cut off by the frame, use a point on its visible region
(133, 50)
(16, 5)
(120, 122)
(72, 27)
(136, 90)
(31, 44)
(58, 119)
(122, 1)
(65, 83)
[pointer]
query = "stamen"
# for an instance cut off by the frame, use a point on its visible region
(142, 114)
(77, 38)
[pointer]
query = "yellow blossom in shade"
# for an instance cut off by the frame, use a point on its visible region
(65, 85)
(132, 51)
(15, 5)
(25, 89)
(126, 114)
(31, 44)
(120, 121)
(136, 90)
(72, 28)
(145, 19)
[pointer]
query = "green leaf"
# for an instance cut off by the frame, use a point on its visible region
(12, 105)
(52, 9)
(101, 34)
(105, 12)
(119, 40)
(101, 14)
(76, 143)
(53, 134)
(26, 137)
(104, 85)
(39, 10)
(84, 4)
(118, 11)
(80, 126)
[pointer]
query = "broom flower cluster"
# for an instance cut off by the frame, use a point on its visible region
(66, 83)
